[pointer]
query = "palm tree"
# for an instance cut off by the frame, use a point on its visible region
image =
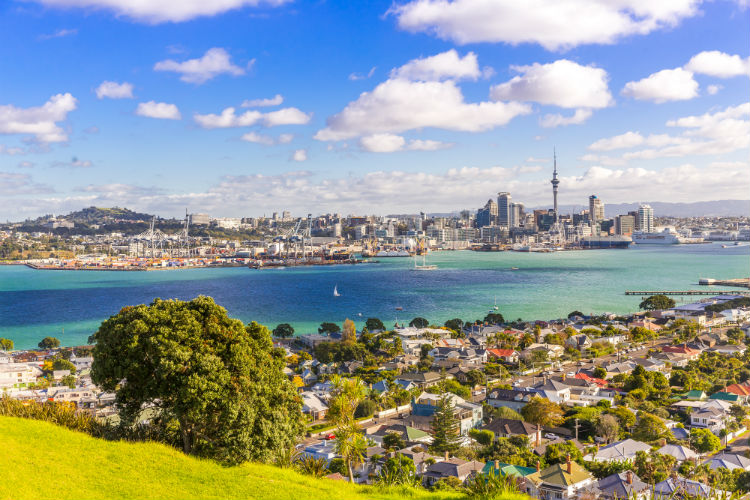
(352, 446)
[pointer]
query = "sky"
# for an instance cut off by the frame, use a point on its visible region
(240, 108)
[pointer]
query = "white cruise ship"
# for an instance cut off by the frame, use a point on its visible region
(665, 237)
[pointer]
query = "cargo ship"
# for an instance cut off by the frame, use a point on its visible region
(606, 242)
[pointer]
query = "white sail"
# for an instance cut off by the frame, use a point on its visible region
(336, 291)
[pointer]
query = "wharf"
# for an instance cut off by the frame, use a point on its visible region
(648, 293)
(740, 282)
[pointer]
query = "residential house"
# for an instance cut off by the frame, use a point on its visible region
(708, 418)
(421, 459)
(559, 481)
(580, 342)
(553, 351)
(619, 451)
(18, 374)
(452, 467)
(324, 449)
(504, 355)
(696, 395)
(623, 485)
(312, 405)
(506, 427)
(423, 380)
(555, 391)
(468, 414)
(509, 398)
(729, 461)
(742, 390)
(681, 453)
(676, 488)
(408, 434)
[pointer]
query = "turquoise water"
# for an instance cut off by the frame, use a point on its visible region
(71, 304)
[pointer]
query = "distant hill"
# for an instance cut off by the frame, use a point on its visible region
(50, 462)
(719, 208)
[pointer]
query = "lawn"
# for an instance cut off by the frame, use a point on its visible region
(43, 461)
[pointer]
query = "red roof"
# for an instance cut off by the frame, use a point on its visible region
(598, 381)
(678, 349)
(502, 353)
(739, 389)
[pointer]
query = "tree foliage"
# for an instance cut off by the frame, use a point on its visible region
(657, 302)
(419, 322)
(328, 328)
(284, 330)
(494, 318)
(6, 344)
(219, 381)
(374, 324)
(349, 334)
(49, 343)
(542, 411)
(444, 427)
(704, 441)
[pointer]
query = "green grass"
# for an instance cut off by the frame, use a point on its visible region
(44, 461)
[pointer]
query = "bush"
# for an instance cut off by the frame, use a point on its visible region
(365, 408)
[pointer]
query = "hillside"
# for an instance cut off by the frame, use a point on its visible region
(44, 461)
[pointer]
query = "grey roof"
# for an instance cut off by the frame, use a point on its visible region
(729, 461)
(669, 487)
(511, 427)
(621, 450)
(617, 486)
(681, 453)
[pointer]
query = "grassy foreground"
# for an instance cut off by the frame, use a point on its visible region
(44, 461)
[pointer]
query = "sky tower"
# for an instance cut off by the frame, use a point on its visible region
(555, 182)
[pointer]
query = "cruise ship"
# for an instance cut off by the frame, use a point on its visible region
(665, 237)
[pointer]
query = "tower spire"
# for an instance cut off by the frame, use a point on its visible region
(555, 182)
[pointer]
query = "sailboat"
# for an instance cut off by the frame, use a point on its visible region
(424, 266)
(494, 308)
(336, 291)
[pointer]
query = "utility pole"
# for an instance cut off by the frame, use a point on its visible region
(576, 427)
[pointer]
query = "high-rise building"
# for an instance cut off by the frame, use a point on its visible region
(596, 209)
(503, 208)
(487, 216)
(555, 183)
(624, 225)
(646, 219)
(516, 214)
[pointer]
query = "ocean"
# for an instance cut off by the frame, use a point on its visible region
(70, 305)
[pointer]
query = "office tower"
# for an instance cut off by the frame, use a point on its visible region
(503, 208)
(646, 219)
(596, 209)
(624, 225)
(555, 183)
(487, 216)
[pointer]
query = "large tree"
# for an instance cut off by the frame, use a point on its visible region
(284, 330)
(328, 328)
(346, 395)
(444, 427)
(6, 344)
(349, 333)
(542, 411)
(657, 302)
(374, 325)
(49, 343)
(419, 322)
(219, 381)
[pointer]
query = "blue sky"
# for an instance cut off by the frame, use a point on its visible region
(384, 107)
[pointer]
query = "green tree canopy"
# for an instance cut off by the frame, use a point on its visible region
(444, 427)
(454, 324)
(49, 343)
(704, 441)
(219, 381)
(284, 330)
(6, 344)
(419, 322)
(494, 319)
(329, 328)
(657, 302)
(542, 411)
(349, 333)
(374, 324)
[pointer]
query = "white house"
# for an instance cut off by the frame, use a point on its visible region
(18, 374)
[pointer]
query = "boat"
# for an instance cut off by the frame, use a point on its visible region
(606, 242)
(494, 308)
(336, 291)
(514, 269)
(424, 266)
(665, 237)
(399, 308)
(393, 253)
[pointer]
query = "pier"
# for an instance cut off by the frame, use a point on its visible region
(648, 293)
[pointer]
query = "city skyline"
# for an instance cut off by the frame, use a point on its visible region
(208, 108)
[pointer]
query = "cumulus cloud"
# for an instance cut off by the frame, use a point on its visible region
(713, 89)
(114, 90)
(718, 64)
(557, 120)
(41, 121)
(13, 184)
(262, 103)
(398, 105)
(562, 83)
(299, 155)
(162, 110)
(444, 66)
(390, 143)
(666, 85)
(267, 140)
(228, 118)
(553, 24)
(720, 132)
(155, 12)
(215, 61)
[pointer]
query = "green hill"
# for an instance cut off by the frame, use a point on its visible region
(44, 461)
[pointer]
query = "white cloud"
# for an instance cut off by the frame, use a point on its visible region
(215, 61)
(359, 76)
(228, 118)
(719, 64)
(398, 105)
(114, 90)
(390, 143)
(154, 12)
(59, 34)
(41, 122)
(713, 89)
(163, 110)
(12, 151)
(557, 120)
(267, 140)
(666, 85)
(286, 116)
(607, 161)
(12, 184)
(25, 164)
(73, 163)
(562, 83)
(444, 66)
(714, 133)
(299, 155)
(554, 24)
(261, 103)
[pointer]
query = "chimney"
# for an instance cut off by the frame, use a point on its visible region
(447, 455)
(629, 477)
(538, 435)
(538, 466)
(662, 442)
(569, 464)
